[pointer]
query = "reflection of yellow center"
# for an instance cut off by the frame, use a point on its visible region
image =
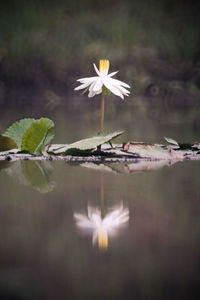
(104, 65)
(103, 239)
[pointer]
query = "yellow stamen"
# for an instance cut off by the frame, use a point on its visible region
(104, 65)
(103, 240)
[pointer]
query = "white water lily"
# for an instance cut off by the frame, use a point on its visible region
(97, 84)
(102, 228)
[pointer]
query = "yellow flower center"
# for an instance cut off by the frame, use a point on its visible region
(103, 239)
(104, 66)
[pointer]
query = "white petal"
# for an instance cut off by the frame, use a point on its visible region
(88, 79)
(91, 94)
(97, 71)
(99, 92)
(121, 88)
(112, 88)
(121, 83)
(98, 85)
(82, 86)
(92, 86)
(112, 74)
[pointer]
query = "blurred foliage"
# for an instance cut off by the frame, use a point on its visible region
(56, 32)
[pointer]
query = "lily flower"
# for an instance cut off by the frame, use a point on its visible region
(102, 228)
(98, 84)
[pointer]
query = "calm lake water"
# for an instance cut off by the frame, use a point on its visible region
(46, 254)
(141, 237)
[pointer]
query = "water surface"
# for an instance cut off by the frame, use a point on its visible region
(45, 254)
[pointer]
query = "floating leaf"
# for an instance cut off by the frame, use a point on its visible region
(17, 130)
(38, 135)
(7, 143)
(171, 141)
(90, 143)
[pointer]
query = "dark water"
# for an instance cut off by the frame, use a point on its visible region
(45, 254)
(149, 248)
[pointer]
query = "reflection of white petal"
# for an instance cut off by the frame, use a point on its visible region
(96, 219)
(82, 221)
(103, 227)
(92, 211)
(94, 237)
(117, 217)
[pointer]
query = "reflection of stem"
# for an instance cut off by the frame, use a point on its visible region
(102, 195)
(102, 112)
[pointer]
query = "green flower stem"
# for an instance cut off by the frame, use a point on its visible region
(102, 112)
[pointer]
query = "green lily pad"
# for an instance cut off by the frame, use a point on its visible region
(171, 141)
(17, 130)
(90, 143)
(38, 135)
(7, 143)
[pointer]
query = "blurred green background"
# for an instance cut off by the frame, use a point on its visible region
(46, 45)
(52, 42)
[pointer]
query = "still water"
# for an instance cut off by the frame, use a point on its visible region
(115, 231)
(147, 248)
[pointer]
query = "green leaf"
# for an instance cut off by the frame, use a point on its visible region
(90, 143)
(17, 130)
(7, 143)
(171, 141)
(38, 135)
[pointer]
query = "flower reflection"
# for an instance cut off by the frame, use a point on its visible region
(101, 227)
